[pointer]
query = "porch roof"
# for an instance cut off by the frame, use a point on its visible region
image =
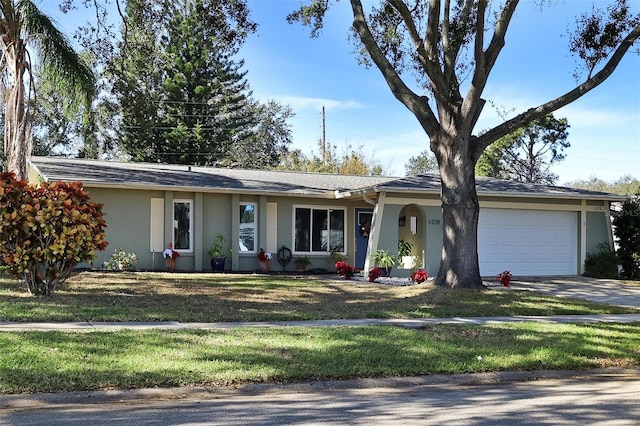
(429, 183)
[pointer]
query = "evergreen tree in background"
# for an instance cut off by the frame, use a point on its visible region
(270, 140)
(527, 154)
(183, 98)
(350, 162)
(425, 162)
(624, 185)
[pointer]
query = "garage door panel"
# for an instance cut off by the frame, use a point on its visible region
(527, 242)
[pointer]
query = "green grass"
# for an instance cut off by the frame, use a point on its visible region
(39, 361)
(59, 361)
(226, 297)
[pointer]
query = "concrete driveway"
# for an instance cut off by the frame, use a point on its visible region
(613, 292)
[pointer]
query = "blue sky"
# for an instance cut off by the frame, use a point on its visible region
(284, 64)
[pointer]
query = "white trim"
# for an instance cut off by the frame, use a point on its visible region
(583, 238)
(272, 228)
(173, 224)
(532, 206)
(328, 209)
(255, 225)
(156, 225)
(374, 234)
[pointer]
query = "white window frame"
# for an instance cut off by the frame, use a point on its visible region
(255, 225)
(173, 223)
(313, 207)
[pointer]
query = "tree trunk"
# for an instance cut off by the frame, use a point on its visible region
(459, 267)
(16, 129)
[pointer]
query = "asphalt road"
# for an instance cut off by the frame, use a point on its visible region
(606, 397)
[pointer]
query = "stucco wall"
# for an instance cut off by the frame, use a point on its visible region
(597, 232)
(434, 239)
(127, 215)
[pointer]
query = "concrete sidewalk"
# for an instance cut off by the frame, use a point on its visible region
(408, 323)
(613, 292)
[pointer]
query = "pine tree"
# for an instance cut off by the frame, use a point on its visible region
(183, 98)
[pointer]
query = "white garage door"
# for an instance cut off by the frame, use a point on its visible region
(527, 242)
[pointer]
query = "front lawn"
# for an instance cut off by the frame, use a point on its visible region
(60, 361)
(238, 297)
(53, 361)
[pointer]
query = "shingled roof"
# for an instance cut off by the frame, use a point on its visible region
(430, 183)
(110, 174)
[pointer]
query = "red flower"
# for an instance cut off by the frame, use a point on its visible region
(374, 273)
(344, 269)
(419, 276)
(505, 278)
(169, 252)
(262, 255)
(340, 265)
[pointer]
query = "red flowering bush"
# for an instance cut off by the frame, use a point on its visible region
(419, 276)
(344, 269)
(340, 265)
(374, 273)
(505, 278)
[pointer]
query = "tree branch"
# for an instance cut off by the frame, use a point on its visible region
(412, 101)
(485, 60)
(540, 111)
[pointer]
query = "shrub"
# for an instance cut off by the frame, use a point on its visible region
(627, 223)
(47, 231)
(603, 264)
(120, 259)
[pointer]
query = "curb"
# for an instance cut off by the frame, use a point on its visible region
(19, 402)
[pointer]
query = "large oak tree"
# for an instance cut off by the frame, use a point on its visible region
(440, 43)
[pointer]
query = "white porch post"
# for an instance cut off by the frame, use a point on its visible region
(374, 233)
(583, 236)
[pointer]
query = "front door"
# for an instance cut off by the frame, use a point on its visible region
(363, 227)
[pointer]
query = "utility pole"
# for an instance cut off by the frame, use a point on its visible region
(324, 140)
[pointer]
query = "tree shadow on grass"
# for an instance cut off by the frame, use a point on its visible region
(56, 361)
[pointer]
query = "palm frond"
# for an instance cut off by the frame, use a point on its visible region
(69, 71)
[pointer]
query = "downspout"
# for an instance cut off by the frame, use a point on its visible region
(368, 200)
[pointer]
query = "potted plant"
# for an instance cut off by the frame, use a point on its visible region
(374, 274)
(384, 260)
(264, 260)
(170, 257)
(344, 269)
(404, 254)
(302, 262)
(419, 276)
(505, 278)
(336, 256)
(217, 253)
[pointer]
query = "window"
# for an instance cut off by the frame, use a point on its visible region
(247, 230)
(319, 229)
(182, 225)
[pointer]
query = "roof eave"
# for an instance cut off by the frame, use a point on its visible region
(502, 194)
(204, 189)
